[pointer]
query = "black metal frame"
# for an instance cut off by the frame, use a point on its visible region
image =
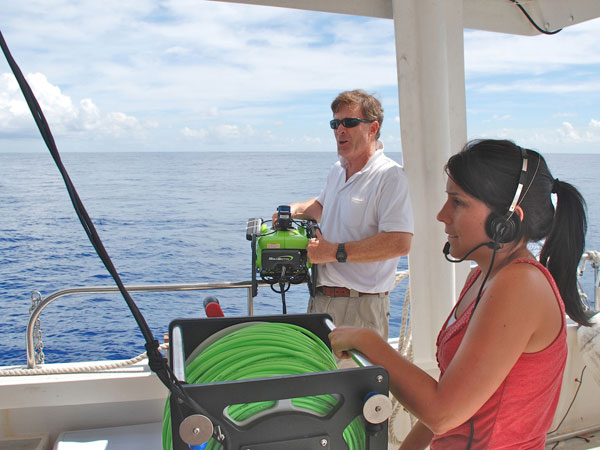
(292, 430)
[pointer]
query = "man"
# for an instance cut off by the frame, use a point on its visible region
(365, 217)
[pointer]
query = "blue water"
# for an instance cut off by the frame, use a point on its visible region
(164, 218)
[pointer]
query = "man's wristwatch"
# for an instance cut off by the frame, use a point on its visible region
(341, 253)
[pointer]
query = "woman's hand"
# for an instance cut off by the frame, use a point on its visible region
(345, 338)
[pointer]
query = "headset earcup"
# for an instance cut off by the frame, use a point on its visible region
(502, 229)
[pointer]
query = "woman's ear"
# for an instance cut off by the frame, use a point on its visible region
(519, 212)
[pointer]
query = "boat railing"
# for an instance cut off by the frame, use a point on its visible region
(34, 342)
(39, 303)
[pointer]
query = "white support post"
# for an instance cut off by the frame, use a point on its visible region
(431, 89)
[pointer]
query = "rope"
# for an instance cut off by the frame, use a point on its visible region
(101, 367)
(405, 349)
(405, 335)
(262, 350)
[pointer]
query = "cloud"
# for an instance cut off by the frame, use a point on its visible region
(224, 133)
(540, 87)
(208, 53)
(566, 137)
(63, 116)
(312, 140)
(563, 114)
(195, 134)
(495, 53)
(571, 134)
(568, 131)
(565, 64)
(227, 132)
(175, 72)
(14, 113)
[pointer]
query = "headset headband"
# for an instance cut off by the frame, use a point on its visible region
(522, 179)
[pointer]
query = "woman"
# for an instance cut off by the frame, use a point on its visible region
(502, 350)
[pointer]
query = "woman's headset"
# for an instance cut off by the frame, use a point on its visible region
(502, 228)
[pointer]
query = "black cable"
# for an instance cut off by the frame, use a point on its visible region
(472, 434)
(485, 279)
(281, 287)
(155, 359)
(489, 271)
(537, 27)
(82, 214)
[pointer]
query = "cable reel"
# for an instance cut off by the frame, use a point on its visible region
(257, 393)
(279, 252)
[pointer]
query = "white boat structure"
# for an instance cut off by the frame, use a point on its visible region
(114, 404)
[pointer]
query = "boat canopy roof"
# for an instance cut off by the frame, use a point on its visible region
(502, 16)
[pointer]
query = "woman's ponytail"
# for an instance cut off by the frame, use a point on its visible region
(564, 246)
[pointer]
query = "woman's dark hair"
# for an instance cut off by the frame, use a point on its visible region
(490, 171)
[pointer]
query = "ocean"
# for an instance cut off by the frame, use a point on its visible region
(163, 218)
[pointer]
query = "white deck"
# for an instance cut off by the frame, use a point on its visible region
(48, 405)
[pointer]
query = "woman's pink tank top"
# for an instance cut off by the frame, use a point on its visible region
(520, 412)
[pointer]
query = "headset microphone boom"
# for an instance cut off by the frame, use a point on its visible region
(491, 244)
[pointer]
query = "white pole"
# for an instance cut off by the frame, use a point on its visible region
(431, 89)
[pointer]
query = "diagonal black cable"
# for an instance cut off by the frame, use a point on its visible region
(157, 363)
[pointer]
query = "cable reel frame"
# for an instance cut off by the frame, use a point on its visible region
(293, 430)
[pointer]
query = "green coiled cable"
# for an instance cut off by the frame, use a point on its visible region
(262, 350)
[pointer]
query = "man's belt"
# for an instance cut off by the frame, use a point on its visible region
(337, 291)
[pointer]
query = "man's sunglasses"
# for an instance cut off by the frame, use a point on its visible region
(348, 122)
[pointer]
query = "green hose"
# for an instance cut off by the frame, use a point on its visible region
(262, 350)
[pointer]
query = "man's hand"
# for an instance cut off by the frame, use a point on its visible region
(274, 221)
(310, 209)
(321, 251)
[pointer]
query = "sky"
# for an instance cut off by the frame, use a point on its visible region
(197, 75)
